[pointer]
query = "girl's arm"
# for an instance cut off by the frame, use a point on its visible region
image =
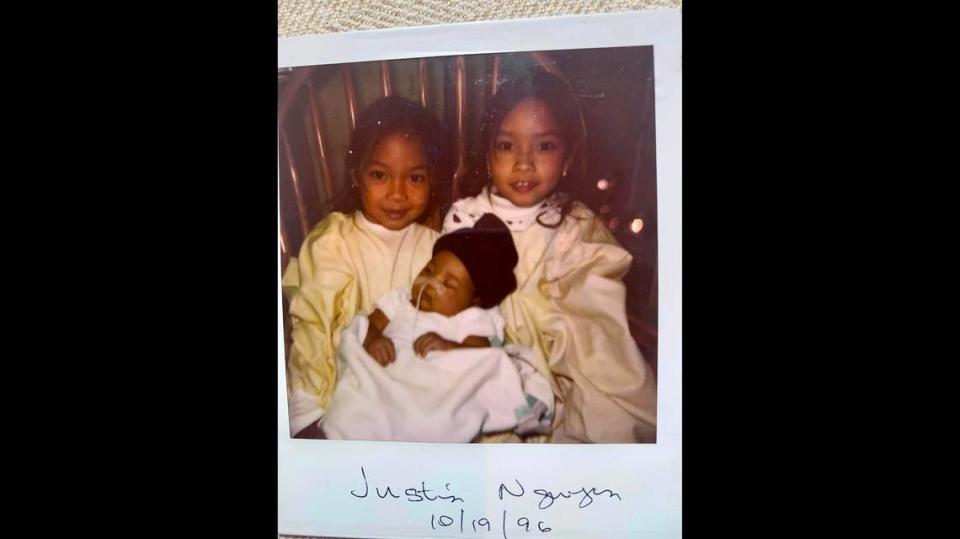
(322, 302)
(607, 387)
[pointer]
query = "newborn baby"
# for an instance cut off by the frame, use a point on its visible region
(430, 366)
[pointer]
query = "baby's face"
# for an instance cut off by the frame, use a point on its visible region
(446, 284)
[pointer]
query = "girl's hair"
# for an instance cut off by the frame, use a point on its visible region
(558, 97)
(389, 116)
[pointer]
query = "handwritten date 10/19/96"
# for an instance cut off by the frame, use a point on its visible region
(546, 499)
(523, 523)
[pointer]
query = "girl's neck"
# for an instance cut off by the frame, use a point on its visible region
(379, 229)
(501, 202)
(518, 218)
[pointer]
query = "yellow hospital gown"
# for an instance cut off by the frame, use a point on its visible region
(570, 308)
(346, 263)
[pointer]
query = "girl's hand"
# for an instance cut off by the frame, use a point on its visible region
(428, 342)
(380, 347)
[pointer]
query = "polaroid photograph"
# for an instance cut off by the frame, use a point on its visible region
(479, 296)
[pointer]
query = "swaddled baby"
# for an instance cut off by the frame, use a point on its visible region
(430, 366)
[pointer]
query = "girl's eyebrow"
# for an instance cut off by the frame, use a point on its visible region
(551, 133)
(374, 162)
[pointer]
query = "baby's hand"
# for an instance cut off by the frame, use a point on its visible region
(428, 342)
(380, 347)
